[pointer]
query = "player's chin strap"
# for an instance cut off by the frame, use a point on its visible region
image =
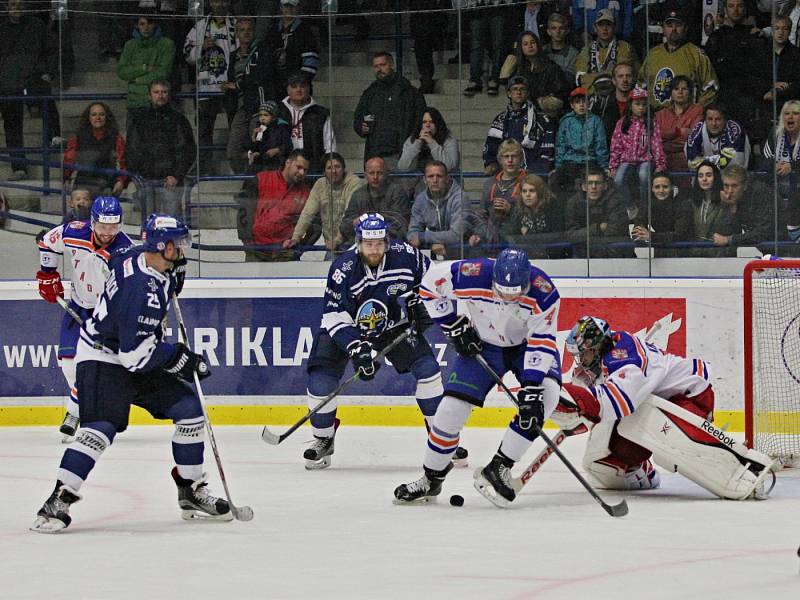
(617, 510)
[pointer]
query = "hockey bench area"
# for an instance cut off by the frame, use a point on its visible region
(335, 533)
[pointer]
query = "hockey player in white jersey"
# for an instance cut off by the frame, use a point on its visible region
(510, 319)
(637, 401)
(87, 245)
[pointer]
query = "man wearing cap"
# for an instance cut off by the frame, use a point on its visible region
(292, 45)
(387, 112)
(311, 127)
(610, 107)
(599, 56)
(676, 57)
(580, 142)
(584, 13)
(250, 82)
(521, 121)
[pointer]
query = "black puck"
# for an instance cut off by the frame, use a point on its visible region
(456, 500)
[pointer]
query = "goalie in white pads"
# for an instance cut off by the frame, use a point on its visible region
(641, 402)
(512, 316)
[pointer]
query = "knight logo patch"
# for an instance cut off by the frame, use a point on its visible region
(619, 353)
(470, 269)
(542, 284)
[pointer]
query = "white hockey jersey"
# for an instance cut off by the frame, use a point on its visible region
(634, 369)
(88, 263)
(531, 320)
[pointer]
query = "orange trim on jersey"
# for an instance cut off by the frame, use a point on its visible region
(642, 353)
(701, 368)
(536, 342)
(88, 246)
(474, 293)
(426, 294)
(620, 401)
(442, 442)
(531, 303)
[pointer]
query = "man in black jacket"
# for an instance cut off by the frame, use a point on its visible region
(751, 203)
(292, 45)
(161, 150)
(387, 111)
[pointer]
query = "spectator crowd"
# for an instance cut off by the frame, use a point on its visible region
(609, 140)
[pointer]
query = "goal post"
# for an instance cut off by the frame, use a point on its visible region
(772, 358)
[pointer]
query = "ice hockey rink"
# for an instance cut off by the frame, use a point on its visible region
(336, 534)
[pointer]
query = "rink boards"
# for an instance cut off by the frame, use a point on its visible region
(257, 335)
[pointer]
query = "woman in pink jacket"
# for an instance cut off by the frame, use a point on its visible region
(635, 146)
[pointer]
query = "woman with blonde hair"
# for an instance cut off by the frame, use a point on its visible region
(782, 151)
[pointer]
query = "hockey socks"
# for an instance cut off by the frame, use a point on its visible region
(81, 455)
(443, 437)
(188, 443)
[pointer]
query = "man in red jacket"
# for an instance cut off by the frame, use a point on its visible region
(270, 208)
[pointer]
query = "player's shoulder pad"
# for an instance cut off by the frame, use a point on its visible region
(475, 273)
(78, 229)
(542, 289)
(626, 351)
(345, 262)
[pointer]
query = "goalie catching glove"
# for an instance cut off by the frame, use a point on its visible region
(463, 336)
(50, 287)
(531, 407)
(364, 364)
(185, 363)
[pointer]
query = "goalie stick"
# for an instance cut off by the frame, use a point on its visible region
(616, 510)
(274, 439)
(240, 513)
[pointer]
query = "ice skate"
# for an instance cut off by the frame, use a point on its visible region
(318, 454)
(494, 482)
(197, 503)
(69, 426)
(460, 458)
(423, 490)
(54, 514)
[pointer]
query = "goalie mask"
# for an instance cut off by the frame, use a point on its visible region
(588, 341)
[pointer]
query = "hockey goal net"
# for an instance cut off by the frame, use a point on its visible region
(772, 358)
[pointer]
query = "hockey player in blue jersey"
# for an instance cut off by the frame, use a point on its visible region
(122, 359)
(88, 246)
(370, 298)
(511, 319)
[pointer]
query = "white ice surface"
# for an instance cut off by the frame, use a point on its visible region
(336, 534)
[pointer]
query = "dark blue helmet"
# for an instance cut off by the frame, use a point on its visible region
(106, 209)
(371, 226)
(160, 229)
(512, 272)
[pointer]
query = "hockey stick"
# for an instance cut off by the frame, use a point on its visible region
(68, 309)
(241, 513)
(519, 482)
(275, 439)
(617, 510)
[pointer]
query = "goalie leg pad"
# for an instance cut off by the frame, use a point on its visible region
(722, 465)
(615, 463)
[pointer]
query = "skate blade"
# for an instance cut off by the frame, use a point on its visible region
(486, 490)
(46, 525)
(316, 465)
(67, 439)
(197, 515)
(461, 463)
(423, 500)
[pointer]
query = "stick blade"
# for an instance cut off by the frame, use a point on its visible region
(270, 438)
(242, 513)
(617, 510)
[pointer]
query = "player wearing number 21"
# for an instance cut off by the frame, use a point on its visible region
(512, 314)
(370, 298)
(122, 359)
(88, 245)
(637, 401)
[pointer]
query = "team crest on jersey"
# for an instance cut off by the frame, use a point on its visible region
(78, 224)
(619, 353)
(542, 284)
(662, 83)
(152, 285)
(346, 266)
(396, 288)
(470, 269)
(371, 318)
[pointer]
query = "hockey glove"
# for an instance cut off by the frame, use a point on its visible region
(531, 406)
(463, 336)
(50, 286)
(178, 274)
(363, 363)
(185, 363)
(417, 313)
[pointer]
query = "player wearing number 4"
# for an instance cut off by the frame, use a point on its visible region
(370, 299)
(88, 245)
(512, 313)
(122, 359)
(636, 401)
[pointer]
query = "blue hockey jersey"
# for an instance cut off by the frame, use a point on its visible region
(362, 303)
(125, 327)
